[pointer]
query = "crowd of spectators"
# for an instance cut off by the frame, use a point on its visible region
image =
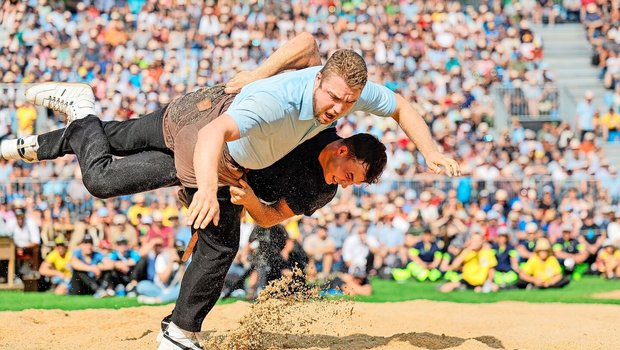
(601, 19)
(138, 55)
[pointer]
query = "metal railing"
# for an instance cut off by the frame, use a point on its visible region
(17, 92)
(467, 188)
(533, 105)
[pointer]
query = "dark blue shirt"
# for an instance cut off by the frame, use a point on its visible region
(503, 256)
(426, 251)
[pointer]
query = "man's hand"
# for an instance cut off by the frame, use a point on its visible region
(204, 209)
(242, 195)
(96, 271)
(240, 80)
(439, 163)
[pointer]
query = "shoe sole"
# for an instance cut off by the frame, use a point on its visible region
(177, 344)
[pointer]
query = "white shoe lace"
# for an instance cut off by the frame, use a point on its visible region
(59, 104)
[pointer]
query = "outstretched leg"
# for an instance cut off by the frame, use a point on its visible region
(124, 138)
(103, 175)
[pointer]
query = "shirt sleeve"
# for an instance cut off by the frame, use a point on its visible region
(528, 267)
(492, 259)
(97, 258)
(51, 258)
(35, 234)
(255, 115)
(377, 99)
(78, 254)
(135, 256)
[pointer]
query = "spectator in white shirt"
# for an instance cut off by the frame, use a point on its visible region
(27, 239)
(358, 249)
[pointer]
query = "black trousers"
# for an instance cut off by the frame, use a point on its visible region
(147, 164)
(521, 284)
(212, 256)
(83, 284)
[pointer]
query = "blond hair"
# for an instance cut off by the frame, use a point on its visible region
(348, 65)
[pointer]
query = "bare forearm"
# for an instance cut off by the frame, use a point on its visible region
(207, 157)
(527, 278)
(264, 215)
(78, 265)
(298, 53)
(414, 126)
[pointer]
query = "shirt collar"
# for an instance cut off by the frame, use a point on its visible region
(306, 111)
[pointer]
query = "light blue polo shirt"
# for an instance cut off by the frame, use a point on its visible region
(274, 115)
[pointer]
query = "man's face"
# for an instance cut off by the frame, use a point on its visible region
(87, 248)
(62, 249)
(332, 98)
(344, 170)
(121, 248)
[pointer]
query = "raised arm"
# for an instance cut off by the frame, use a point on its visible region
(298, 53)
(416, 129)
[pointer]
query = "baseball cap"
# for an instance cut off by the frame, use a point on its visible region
(503, 230)
(60, 240)
(105, 244)
(179, 244)
(119, 219)
(87, 239)
(103, 212)
(493, 215)
(531, 227)
(542, 244)
(146, 220)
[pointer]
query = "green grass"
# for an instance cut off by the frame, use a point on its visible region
(575, 292)
(16, 301)
(384, 291)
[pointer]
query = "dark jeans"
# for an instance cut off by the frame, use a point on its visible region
(83, 284)
(212, 256)
(95, 143)
(149, 165)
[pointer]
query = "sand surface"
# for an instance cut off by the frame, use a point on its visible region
(407, 325)
(614, 294)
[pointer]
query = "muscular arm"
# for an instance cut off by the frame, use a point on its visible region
(416, 129)
(207, 152)
(264, 215)
(298, 53)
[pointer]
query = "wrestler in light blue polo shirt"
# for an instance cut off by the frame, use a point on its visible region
(276, 114)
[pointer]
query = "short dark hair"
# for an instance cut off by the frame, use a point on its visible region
(370, 151)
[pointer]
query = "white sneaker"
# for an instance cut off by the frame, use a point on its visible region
(164, 326)
(175, 338)
(75, 100)
(23, 148)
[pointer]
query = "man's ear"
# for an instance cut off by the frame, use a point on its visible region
(342, 151)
